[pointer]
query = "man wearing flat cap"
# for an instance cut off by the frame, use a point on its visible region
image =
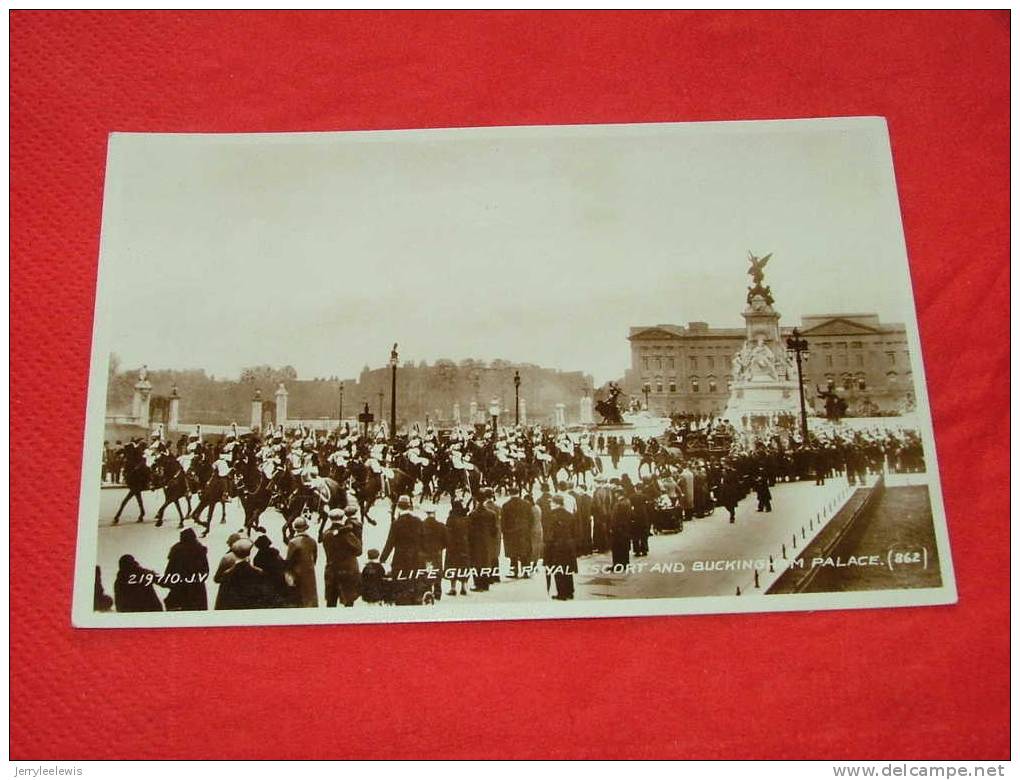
(405, 542)
(342, 545)
(301, 556)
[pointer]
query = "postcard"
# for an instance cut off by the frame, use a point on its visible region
(505, 373)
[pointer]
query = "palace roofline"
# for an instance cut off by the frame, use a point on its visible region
(808, 322)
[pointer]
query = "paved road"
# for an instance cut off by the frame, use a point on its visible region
(671, 568)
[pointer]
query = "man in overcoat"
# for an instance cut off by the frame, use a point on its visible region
(560, 551)
(405, 542)
(582, 520)
(458, 548)
(302, 553)
(434, 538)
(342, 545)
(602, 512)
(516, 521)
(483, 530)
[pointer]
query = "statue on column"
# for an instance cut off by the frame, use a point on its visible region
(757, 274)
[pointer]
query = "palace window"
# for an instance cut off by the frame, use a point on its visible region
(828, 361)
(711, 385)
(858, 360)
(647, 363)
(693, 362)
(890, 358)
(847, 381)
(711, 362)
(855, 345)
(695, 387)
(861, 382)
(672, 385)
(658, 384)
(671, 362)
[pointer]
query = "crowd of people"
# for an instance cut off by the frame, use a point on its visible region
(538, 531)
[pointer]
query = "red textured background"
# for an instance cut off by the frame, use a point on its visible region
(931, 682)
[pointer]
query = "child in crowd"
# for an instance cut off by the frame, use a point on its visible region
(373, 579)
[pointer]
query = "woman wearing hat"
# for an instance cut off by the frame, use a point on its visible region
(186, 564)
(241, 583)
(275, 590)
(132, 590)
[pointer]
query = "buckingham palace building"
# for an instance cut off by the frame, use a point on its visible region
(678, 369)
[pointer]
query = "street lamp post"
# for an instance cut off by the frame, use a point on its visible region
(380, 406)
(798, 345)
(494, 412)
(646, 389)
(393, 392)
(517, 397)
(341, 403)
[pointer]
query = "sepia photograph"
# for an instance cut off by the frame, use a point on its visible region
(505, 373)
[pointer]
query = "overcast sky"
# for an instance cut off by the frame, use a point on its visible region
(539, 245)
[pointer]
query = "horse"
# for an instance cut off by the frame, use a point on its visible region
(318, 496)
(215, 491)
(136, 477)
(199, 475)
(450, 480)
(526, 472)
(496, 473)
(584, 465)
(256, 487)
(429, 479)
(414, 470)
(560, 461)
(169, 474)
(368, 487)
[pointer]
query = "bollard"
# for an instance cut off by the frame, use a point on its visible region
(802, 534)
(784, 552)
(772, 568)
(794, 541)
(756, 584)
(811, 524)
(738, 590)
